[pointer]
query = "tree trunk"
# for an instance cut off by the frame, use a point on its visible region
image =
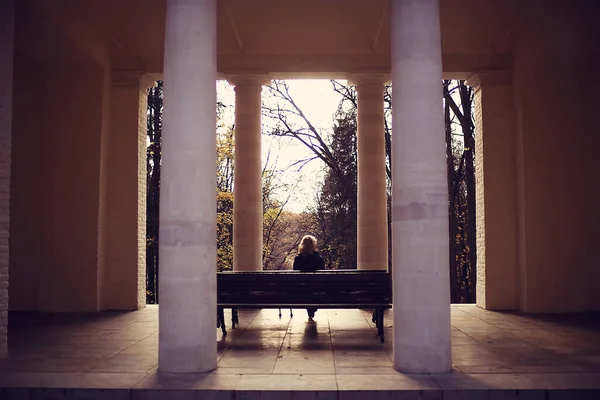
(452, 223)
(467, 128)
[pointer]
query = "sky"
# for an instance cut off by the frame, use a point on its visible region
(319, 102)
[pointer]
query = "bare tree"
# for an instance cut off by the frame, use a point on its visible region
(291, 121)
(461, 185)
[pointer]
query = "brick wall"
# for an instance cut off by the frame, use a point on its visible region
(125, 273)
(495, 176)
(6, 74)
(479, 199)
(141, 211)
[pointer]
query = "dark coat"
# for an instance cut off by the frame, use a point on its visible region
(308, 262)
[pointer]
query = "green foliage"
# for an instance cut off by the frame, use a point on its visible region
(224, 231)
(225, 150)
(336, 205)
(224, 171)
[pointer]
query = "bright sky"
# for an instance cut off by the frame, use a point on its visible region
(318, 101)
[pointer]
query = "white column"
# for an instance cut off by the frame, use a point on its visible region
(187, 333)
(372, 231)
(420, 193)
(247, 186)
(7, 39)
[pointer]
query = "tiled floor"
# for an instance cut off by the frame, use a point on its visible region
(338, 352)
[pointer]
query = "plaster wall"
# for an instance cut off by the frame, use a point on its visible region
(79, 198)
(125, 283)
(555, 79)
(28, 198)
(497, 268)
(59, 258)
(7, 33)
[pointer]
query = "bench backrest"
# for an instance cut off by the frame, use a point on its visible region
(351, 287)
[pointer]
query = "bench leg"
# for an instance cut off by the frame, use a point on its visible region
(234, 318)
(221, 320)
(379, 324)
(291, 314)
(375, 319)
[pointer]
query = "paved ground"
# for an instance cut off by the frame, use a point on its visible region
(339, 352)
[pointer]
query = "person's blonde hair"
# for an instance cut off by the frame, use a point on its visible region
(308, 245)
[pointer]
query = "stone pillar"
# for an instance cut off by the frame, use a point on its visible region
(125, 241)
(496, 191)
(7, 38)
(247, 187)
(188, 256)
(420, 192)
(372, 231)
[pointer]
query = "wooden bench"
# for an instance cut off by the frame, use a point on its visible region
(295, 289)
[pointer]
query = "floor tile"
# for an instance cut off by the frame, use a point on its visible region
(266, 355)
(287, 382)
(71, 380)
(393, 381)
(209, 381)
(565, 381)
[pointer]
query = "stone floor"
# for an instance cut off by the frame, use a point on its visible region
(339, 353)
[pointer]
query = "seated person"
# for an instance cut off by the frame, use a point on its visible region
(308, 259)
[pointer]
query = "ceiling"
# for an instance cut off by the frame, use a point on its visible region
(281, 37)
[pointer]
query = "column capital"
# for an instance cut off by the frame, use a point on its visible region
(360, 79)
(249, 80)
(490, 78)
(133, 79)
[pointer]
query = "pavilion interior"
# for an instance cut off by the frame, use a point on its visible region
(77, 215)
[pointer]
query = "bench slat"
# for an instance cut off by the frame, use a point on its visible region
(296, 288)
